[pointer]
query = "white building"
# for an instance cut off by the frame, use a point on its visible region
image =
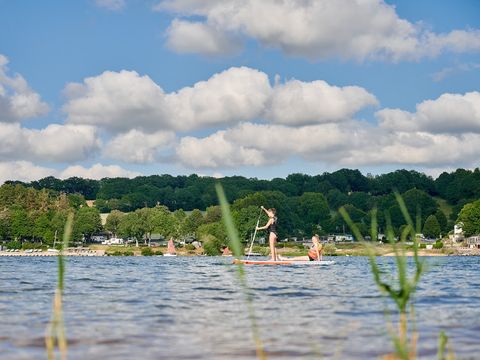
(458, 235)
(343, 237)
(473, 241)
(114, 241)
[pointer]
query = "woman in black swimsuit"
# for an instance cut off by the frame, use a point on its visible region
(271, 227)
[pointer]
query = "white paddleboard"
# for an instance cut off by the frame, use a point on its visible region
(282, 262)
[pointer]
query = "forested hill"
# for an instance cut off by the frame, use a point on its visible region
(195, 192)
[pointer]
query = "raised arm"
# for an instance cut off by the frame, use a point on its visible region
(269, 222)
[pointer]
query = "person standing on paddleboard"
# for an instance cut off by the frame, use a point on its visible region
(271, 227)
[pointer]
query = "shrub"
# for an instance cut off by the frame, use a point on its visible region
(189, 247)
(211, 245)
(438, 245)
(29, 245)
(329, 249)
(147, 251)
(14, 245)
(264, 250)
(116, 253)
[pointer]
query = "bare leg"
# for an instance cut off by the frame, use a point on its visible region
(273, 251)
(295, 258)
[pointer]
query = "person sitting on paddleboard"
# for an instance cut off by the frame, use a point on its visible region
(314, 254)
(271, 227)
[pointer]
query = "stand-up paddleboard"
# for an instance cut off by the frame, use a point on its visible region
(282, 262)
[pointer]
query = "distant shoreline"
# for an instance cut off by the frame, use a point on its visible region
(98, 253)
(46, 253)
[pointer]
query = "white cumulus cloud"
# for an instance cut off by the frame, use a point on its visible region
(138, 147)
(23, 171)
(27, 171)
(442, 133)
(116, 100)
(55, 143)
(216, 151)
(353, 29)
(259, 144)
(450, 113)
(97, 172)
(200, 38)
(125, 100)
(122, 101)
(419, 149)
(17, 100)
(234, 95)
(303, 103)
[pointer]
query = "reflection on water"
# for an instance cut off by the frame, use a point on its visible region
(191, 308)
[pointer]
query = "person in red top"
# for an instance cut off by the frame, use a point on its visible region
(314, 254)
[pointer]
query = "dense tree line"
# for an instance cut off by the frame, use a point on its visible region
(306, 204)
(191, 192)
(39, 215)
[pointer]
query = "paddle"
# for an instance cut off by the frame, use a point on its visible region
(254, 234)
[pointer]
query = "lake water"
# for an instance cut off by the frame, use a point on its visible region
(192, 308)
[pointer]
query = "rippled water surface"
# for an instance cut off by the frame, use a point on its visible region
(192, 308)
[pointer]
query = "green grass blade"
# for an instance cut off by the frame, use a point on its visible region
(236, 247)
(56, 328)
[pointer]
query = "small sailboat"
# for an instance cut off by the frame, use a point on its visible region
(170, 249)
(54, 250)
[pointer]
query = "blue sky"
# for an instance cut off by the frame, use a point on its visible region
(100, 88)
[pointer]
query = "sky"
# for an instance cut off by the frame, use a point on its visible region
(109, 88)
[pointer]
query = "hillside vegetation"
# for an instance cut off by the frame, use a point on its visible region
(306, 204)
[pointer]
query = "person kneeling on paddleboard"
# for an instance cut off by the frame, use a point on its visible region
(314, 254)
(271, 227)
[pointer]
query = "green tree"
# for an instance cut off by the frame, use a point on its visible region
(336, 199)
(179, 217)
(145, 223)
(193, 221)
(58, 221)
(470, 216)
(245, 221)
(42, 228)
(360, 200)
(212, 245)
(113, 221)
(86, 223)
(357, 215)
(76, 200)
(213, 214)
(313, 211)
(163, 221)
(431, 228)
(418, 200)
(131, 227)
(442, 221)
(5, 229)
(216, 229)
(21, 225)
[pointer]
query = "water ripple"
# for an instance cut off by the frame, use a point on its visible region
(194, 308)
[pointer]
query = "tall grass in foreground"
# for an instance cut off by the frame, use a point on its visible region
(56, 328)
(237, 251)
(401, 288)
